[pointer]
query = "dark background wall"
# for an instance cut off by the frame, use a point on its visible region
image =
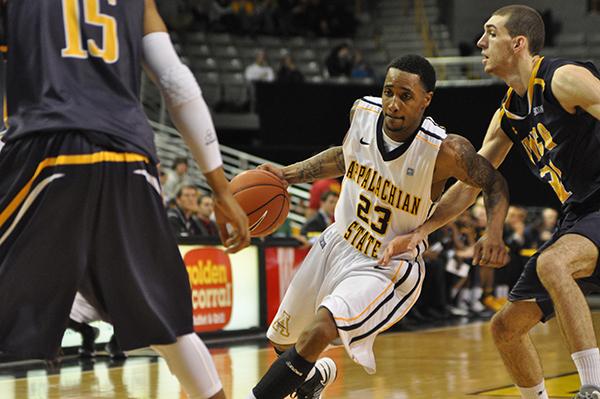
(299, 121)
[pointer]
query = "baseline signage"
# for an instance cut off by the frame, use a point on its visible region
(225, 287)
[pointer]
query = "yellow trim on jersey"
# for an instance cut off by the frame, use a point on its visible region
(427, 141)
(369, 109)
(376, 299)
(533, 81)
(86, 159)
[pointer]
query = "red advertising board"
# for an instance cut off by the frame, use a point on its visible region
(211, 279)
(280, 263)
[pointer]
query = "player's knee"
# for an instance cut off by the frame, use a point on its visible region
(549, 270)
(501, 328)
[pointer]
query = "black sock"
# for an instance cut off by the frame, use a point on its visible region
(285, 375)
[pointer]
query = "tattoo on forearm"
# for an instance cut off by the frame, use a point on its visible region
(339, 161)
(326, 164)
(481, 174)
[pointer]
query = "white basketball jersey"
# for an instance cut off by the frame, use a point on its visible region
(385, 193)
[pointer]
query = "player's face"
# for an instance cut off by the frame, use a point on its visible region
(497, 46)
(404, 100)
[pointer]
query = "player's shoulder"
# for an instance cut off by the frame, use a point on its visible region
(432, 131)
(369, 102)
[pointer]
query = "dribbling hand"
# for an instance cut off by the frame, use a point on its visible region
(277, 171)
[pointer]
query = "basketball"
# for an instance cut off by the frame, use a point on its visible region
(263, 197)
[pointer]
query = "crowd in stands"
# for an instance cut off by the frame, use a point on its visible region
(331, 18)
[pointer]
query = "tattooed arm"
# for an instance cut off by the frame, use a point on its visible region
(329, 163)
(458, 159)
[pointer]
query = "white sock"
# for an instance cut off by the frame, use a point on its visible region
(536, 392)
(588, 366)
(190, 361)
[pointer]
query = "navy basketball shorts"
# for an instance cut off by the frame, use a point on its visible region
(75, 215)
(529, 287)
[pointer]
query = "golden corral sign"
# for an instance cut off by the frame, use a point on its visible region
(224, 287)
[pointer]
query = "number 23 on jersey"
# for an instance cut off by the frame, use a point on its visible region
(73, 23)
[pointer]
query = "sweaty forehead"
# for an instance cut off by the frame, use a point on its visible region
(402, 79)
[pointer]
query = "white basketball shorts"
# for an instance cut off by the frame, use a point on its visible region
(364, 298)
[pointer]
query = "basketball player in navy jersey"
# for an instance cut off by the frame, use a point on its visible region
(395, 164)
(551, 114)
(80, 203)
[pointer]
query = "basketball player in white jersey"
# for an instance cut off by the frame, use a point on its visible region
(395, 164)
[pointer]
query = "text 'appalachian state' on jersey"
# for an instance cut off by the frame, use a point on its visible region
(76, 65)
(384, 194)
(560, 148)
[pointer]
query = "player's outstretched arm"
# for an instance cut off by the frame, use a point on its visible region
(329, 163)
(191, 116)
(458, 198)
(459, 157)
(576, 87)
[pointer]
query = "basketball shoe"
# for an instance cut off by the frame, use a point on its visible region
(588, 392)
(325, 373)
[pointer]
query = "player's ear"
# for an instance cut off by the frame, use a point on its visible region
(519, 43)
(427, 99)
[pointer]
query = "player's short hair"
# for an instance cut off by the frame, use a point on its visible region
(418, 65)
(524, 21)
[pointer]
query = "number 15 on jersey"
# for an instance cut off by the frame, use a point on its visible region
(73, 23)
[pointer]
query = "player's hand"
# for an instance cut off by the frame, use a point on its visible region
(229, 214)
(276, 170)
(404, 243)
(490, 251)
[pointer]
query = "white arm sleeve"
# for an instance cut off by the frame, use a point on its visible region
(183, 96)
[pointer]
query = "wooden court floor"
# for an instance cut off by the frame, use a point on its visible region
(452, 362)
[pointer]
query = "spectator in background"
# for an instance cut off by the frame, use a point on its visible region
(361, 68)
(260, 69)
(339, 61)
(176, 177)
(206, 207)
(316, 191)
(539, 233)
(288, 72)
(182, 217)
(323, 218)
(162, 178)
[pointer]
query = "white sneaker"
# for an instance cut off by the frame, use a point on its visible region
(588, 392)
(325, 374)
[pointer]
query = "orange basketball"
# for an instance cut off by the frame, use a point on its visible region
(264, 199)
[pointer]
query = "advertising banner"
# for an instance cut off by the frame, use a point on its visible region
(280, 263)
(225, 287)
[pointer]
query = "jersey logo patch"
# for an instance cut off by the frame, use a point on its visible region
(281, 325)
(538, 110)
(363, 142)
(410, 171)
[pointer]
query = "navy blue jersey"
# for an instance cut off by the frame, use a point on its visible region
(76, 65)
(560, 148)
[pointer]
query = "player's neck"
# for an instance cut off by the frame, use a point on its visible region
(519, 79)
(402, 135)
